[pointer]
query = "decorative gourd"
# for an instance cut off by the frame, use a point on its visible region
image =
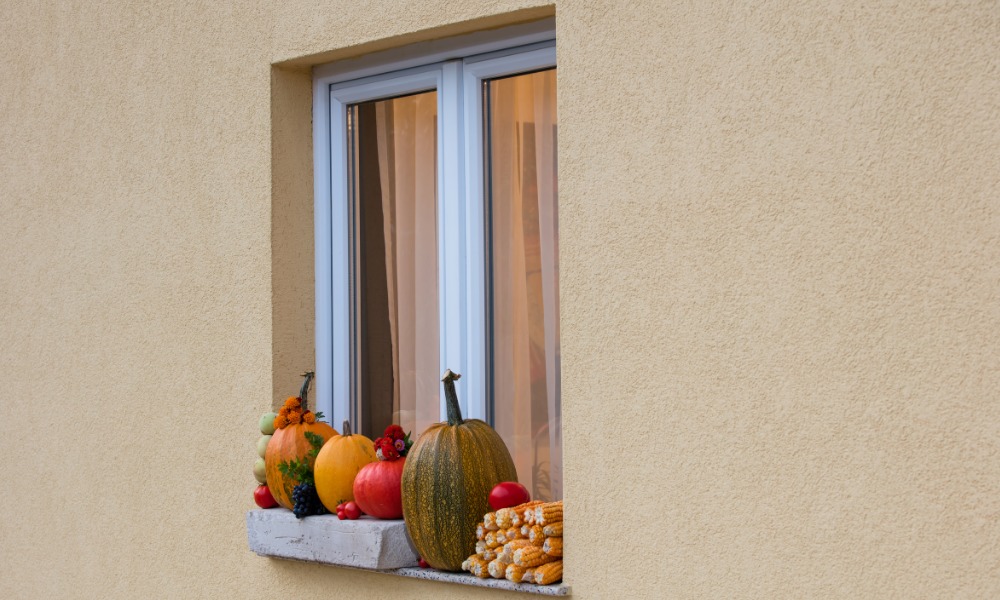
(289, 443)
(447, 478)
(338, 464)
(378, 489)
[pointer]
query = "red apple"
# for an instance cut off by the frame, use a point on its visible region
(508, 493)
(262, 496)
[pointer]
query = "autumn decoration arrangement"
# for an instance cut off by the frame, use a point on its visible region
(441, 485)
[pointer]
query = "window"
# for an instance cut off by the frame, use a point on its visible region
(437, 240)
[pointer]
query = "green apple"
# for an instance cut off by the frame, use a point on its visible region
(259, 472)
(262, 445)
(267, 423)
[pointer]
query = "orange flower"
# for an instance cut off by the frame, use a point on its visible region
(294, 418)
(284, 411)
(309, 418)
(293, 402)
(280, 422)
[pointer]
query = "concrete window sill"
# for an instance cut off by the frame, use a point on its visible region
(367, 543)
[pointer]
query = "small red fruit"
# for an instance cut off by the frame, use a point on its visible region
(262, 496)
(341, 515)
(507, 494)
(423, 563)
(340, 506)
(351, 511)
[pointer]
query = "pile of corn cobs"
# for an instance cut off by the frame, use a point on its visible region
(523, 544)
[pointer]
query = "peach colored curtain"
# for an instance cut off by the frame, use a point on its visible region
(523, 129)
(407, 147)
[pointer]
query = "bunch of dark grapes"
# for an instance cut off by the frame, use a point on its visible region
(306, 501)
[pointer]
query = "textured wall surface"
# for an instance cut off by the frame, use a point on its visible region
(780, 253)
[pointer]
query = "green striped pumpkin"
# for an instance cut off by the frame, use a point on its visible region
(447, 479)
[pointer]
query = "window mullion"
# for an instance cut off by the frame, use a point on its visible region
(457, 337)
(475, 239)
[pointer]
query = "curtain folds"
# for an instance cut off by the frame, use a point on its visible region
(524, 191)
(406, 137)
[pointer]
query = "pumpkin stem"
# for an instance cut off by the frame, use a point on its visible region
(347, 428)
(451, 398)
(304, 390)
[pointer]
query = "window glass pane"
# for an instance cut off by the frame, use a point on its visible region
(521, 134)
(394, 280)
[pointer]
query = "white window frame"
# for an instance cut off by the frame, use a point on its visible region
(455, 68)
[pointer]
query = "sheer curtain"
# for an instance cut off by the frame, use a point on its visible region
(525, 276)
(400, 333)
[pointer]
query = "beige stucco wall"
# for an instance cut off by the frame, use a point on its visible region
(780, 248)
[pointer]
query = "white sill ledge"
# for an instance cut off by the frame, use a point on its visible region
(368, 544)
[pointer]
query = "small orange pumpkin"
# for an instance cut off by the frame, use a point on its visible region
(289, 443)
(338, 464)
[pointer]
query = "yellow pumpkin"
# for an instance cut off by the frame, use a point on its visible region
(338, 464)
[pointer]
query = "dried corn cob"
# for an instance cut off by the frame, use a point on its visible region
(549, 516)
(481, 570)
(491, 540)
(529, 575)
(490, 553)
(515, 573)
(508, 549)
(553, 546)
(555, 529)
(525, 530)
(530, 556)
(548, 573)
(518, 543)
(519, 512)
(550, 512)
(536, 536)
(475, 561)
(480, 547)
(501, 536)
(503, 517)
(467, 563)
(490, 521)
(480, 531)
(497, 568)
(513, 533)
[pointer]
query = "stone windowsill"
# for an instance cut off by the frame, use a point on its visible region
(366, 543)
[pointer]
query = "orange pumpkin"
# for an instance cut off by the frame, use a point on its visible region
(338, 464)
(289, 443)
